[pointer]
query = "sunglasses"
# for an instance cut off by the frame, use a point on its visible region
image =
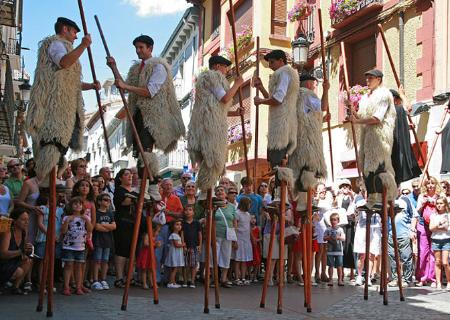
(264, 185)
(232, 192)
(14, 165)
(185, 178)
(106, 199)
(82, 166)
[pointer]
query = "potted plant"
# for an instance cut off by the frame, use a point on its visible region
(356, 93)
(300, 11)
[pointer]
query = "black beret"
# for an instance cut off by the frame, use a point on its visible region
(68, 22)
(375, 72)
(275, 54)
(395, 94)
(144, 39)
(307, 76)
(218, 60)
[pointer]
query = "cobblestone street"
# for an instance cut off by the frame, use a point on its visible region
(237, 303)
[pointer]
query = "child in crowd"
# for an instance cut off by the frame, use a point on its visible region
(103, 240)
(440, 240)
(74, 229)
(255, 237)
(175, 257)
(192, 231)
(144, 263)
(243, 253)
(324, 202)
(335, 237)
(42, 223)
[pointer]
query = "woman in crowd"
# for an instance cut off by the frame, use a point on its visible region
(426, 206)
(225, 217)
(189, 198)
(3, 173)
(14, 262)
(445, 189)
(78, 168)
(263, 191)
(125, 216)
(27, 199)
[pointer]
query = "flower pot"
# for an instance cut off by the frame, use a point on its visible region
(365, 7)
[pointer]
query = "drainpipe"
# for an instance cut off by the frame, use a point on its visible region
(401, 46)
(201, 31)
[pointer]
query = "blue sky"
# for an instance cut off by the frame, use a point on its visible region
(121, 20)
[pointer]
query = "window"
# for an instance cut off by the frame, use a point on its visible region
(279, 12)
(215, 16)
(243, 15)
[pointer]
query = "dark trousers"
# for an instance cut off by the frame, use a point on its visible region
(406, 258)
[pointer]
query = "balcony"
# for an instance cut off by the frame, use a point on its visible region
(342, 15)
(8, 15)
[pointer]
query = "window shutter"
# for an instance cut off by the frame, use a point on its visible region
(279, 17)
(246, 102)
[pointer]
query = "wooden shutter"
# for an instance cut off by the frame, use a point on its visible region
(246, 102)
(363, 58)
(215, 15)
(279, 17)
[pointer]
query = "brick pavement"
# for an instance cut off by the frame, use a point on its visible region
(237, 303)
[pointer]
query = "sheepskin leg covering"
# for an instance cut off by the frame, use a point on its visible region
(285, 174)
(152, 161)
(46, 159)
(306, 180)
(208, 176)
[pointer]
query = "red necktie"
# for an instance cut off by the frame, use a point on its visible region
(142, 65)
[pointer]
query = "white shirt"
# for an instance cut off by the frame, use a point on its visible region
(312, 104)
(219, 92)
(56, 51)
(281, 90)
(157, 79)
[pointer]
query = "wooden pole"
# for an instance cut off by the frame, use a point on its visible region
(134, 239)
(94, 77)
(396, 253)
(215, 263)
(236, 61)
(282, 220)
(268, 274)
(397, 80)
(256, 114)
(433, 146)
(304, 262)
(148, 220)
(47, 277)
(384, 251)
(125, 103)
(308, 252)
(366, 259)
(207, 250)
(325, 78)
(347, 88)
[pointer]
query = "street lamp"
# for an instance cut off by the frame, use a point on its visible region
(300, 48)
(25, 88)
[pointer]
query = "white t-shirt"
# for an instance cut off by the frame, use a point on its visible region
(281, 90)
(75, 237)
(440, 219)
(56, 51)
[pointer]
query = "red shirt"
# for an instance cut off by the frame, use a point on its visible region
(173, 204)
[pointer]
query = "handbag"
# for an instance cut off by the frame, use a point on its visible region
(231, 232)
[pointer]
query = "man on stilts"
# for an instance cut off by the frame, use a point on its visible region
(281, 99)
(403, 160)
(154, 107)
(376, 118)
(55, 117)
(208, 128)
(308, 163)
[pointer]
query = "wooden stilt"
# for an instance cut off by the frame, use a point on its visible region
(268, 273)
(215, 263)
(384, 251)
(304, 262)
(309, 249)
(283, 194)
(366, 259)
(396, 253)
(51, 239)
(148, 221)
(134, 239)
(207, 250)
